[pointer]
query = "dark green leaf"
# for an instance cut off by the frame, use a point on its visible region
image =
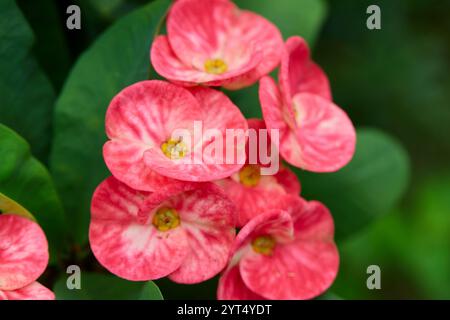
(50, 46)
(117, 59)
(369, 186)
(27, 96)
(300, 17)
(97, 286)
(26, 181)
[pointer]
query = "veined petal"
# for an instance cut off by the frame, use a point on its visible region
(313, 221)
(141, 118)
(126, 162)
(198, 29)
(231, 287)
(208, 219)
(288, 179)
(301, 269)
(123, 243)
(268, 194)
(246, 45)
(23, 252)
(263, 36)
(325, 134)
(297, 270)
(299, 74)
(276, 223)
(272, 108)
(149, 111)
(168, 65)
(33, 291)
(213, 156)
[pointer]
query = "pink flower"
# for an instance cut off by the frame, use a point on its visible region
(283, 254)
(212, 42)
(254, 193)
(23, 258)
(185, 233)
(315, 134)
(141, 121)
(299, 74)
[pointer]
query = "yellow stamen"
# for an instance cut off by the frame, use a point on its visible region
(215, 66)
(264, 245)
(250, 175)
(166, 219)
(174, 149)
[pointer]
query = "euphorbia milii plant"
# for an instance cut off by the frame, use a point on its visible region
(23, 258)
(315, 134)
(144, 149)
(212, 42)
(185, 233)
(251, 191)
(176, 196)
(284, 253)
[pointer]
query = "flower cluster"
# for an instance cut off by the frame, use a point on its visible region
(23, 258)
(188, 168)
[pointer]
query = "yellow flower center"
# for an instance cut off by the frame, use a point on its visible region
(166, 219)
(215, 66)
(250, 175)
(264, 245)
(174, 149)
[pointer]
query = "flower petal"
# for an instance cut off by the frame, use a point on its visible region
(264, 37)
(278, 117)
(168, 65)
(298, 270)
(321, 137)
(198, 29)
(208, 219)
(299, 74)
(301, 269)
(23, 252)
(126, 163)
(288, 179)
(225, 157)
(202, 30)
(231, 287)
(272, 107)
(325, 135)
(33, 291)
(313, 221)
(125, 245)
(276, 222)
(268, 194)
(141, 118)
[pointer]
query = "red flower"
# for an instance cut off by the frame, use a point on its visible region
(283, 255)
(252, 192)
(23, 258)
(212, 42)
(185, 233)
(315, 134)
(143, 152)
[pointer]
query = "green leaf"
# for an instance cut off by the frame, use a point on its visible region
(50, 47)
(27, 96)
(368, 187)
(120, 57)
(300, 17)
(26, 181)
(97, 286)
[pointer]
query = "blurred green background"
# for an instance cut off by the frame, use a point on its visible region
(396, 79)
